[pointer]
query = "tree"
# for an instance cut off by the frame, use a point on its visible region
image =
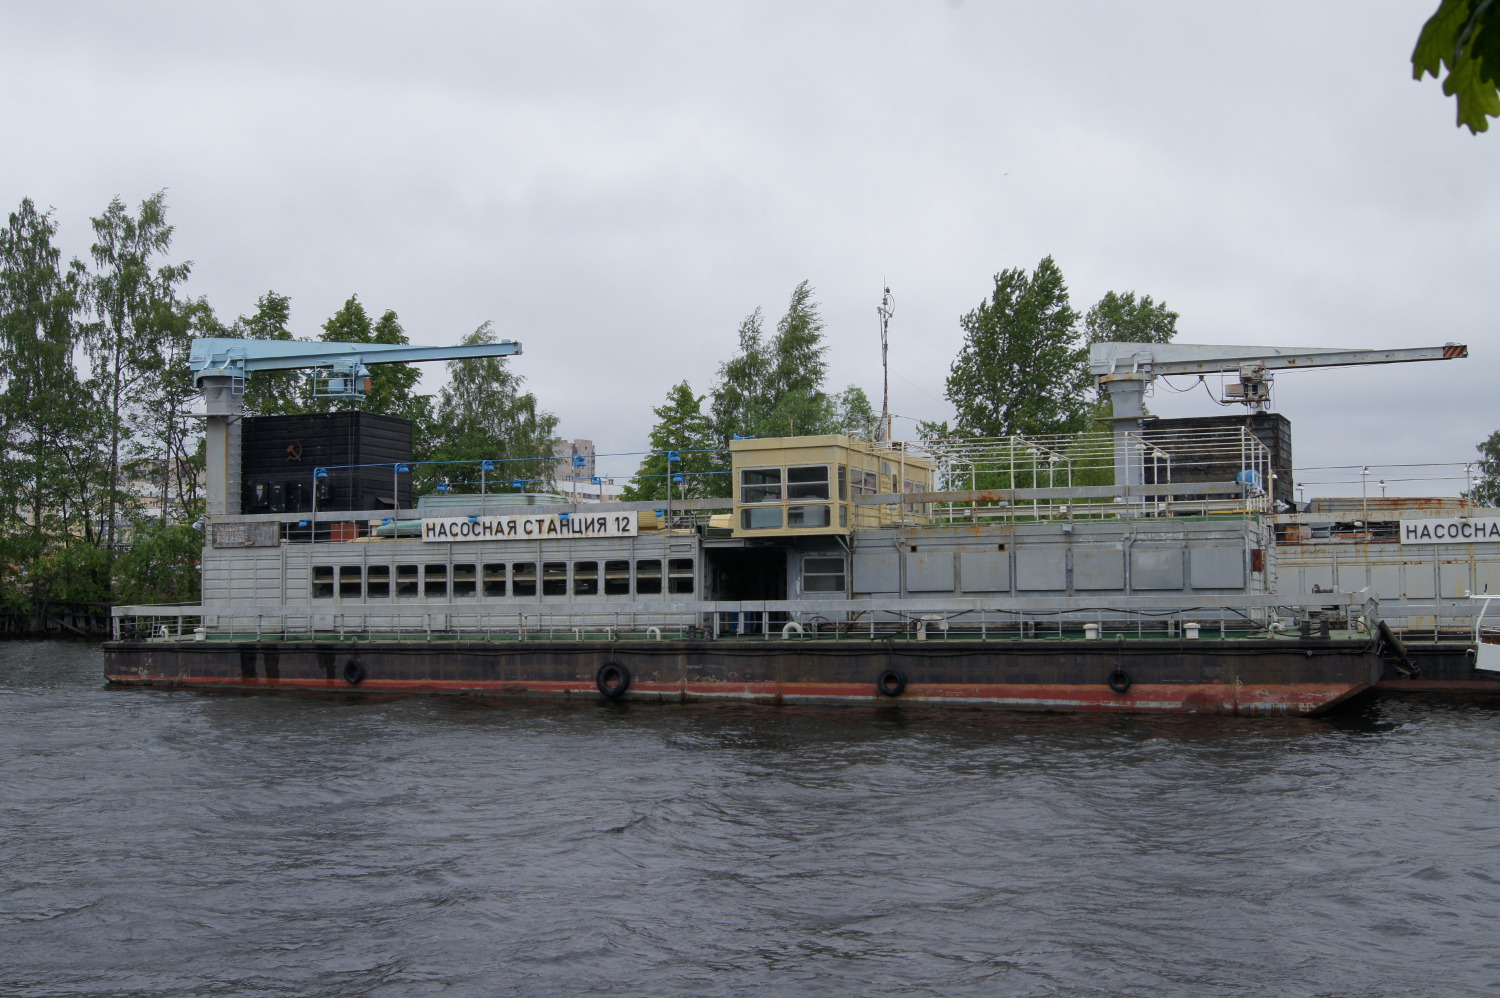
(1118, 318)
(46, 422)
(1463, 37)
(272, 392)
(797, 400)
(161, 565)
(1486, 491)
(1021, 368)
(775, 388)
(133, 336)
(681, 428)
(393, 387)
(741, 401)
(853, 413)
(168, 445)
(482, 415)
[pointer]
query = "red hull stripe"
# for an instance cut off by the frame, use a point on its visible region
(1301, 698)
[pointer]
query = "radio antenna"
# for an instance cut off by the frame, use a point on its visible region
(887, 308)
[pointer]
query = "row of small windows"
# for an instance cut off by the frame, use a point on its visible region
(770, 517)
(521, 579)
(804, 482)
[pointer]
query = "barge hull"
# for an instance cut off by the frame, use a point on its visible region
(1271, 677)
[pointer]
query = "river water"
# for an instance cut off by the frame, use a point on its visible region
(181, 843)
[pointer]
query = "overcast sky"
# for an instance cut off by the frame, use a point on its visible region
(617, 185)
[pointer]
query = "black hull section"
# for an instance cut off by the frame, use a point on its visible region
(1443, 667)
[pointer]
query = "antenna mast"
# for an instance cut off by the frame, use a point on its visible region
(887, 308)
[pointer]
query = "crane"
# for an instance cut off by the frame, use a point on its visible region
(1125, 369)
(222, 365)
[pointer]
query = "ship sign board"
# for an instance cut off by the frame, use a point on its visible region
(1451, 530)
(530, 526)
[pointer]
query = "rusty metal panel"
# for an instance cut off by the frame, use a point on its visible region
(929, 571)
(984, 571)
(1318, 579)
(1453, 579)
(1487, 577)
(1099, 566)
(876, 571)
(1418, 581)
(1041, 568)
(1217, 567)
(1385, 581)
(1156, 567)
(246, 535)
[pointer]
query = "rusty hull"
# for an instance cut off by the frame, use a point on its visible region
(1262, 677)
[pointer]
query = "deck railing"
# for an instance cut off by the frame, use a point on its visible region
(800, 620)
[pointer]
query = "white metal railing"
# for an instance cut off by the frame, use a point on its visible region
(1141, 616)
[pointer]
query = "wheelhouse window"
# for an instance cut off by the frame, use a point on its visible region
(807, 482)
(523, 578)
(322, 582)
(494, 578)
(350, 583)
(378, 582)
(464, 583)
(822, 574)
(648, 577)
(680, 576)
(585, 578)
(865, 483)
(554, 578)
(406, 580)
(760, 485)
(764, 518)
(808, 516)
(843, 483)
(617, 578)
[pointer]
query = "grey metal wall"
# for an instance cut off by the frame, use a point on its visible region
(1035, 559)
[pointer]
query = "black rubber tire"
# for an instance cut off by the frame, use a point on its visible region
(1120, 681)
(891, 683)
(612, 679)
(354, 672)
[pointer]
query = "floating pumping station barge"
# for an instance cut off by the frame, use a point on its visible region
(1129, 569)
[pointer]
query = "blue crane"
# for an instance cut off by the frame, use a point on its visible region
(221, 366)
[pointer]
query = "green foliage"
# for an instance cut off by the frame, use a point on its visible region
(1486, 490)
(1463, 37)
(1118, 318)
(775, 388)
(681, 427)
(272, 393)
(1022, 368)
(160, 566)
(46, 418)
(853, 414)
(482, 414)
(139, 333)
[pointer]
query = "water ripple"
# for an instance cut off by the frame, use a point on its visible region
(162, 843)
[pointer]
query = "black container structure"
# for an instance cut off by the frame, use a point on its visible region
(1270, 428)
(281, 454)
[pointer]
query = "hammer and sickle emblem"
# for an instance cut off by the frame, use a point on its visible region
(293, 451)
